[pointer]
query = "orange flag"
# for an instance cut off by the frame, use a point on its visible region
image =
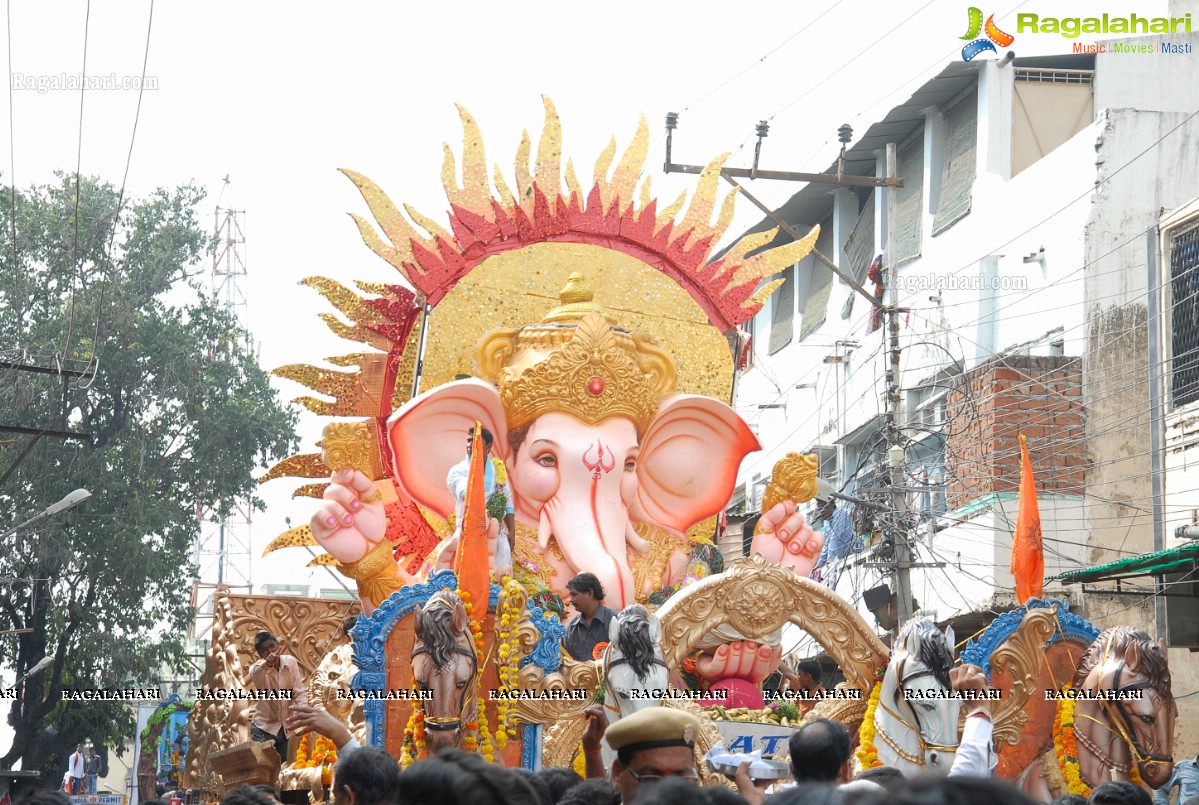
(471, 561)
(1028, 554)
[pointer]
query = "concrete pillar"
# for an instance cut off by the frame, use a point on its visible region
(995, 120)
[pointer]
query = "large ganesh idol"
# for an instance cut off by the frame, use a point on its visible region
(608, 467)
(595, 336)
(595, 443)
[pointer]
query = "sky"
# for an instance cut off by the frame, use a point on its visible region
(278, 96)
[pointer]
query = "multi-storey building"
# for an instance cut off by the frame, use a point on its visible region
(1038, 195)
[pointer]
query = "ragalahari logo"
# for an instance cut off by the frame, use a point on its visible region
(979, 45)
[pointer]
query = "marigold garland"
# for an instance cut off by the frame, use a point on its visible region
(1065, 748)
(470, 743)
(867, 754)
(414, 739)
(485, 744)
(324, 753)
(509, 655)
(483, 741)
(597, 653)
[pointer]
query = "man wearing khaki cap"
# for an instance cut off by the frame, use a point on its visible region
(651, 745)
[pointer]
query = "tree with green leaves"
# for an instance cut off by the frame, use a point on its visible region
(177, 415)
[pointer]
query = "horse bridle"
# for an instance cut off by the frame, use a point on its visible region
(1124, 725)
(447, 723)
(917, 728)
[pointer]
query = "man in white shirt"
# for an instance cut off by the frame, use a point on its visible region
(275, 672)
(456, 481)
(976, 753)
(75, 769)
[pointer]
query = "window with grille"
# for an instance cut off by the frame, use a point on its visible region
(1184, 316)
(927, 495)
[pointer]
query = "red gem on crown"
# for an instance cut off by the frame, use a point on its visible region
(595, 386)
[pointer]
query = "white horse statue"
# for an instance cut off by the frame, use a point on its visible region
(634, 669)
(915, 730)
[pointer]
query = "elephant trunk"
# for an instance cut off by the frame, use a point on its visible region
(590, 529)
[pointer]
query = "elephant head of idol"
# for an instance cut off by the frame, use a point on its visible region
(592, 434)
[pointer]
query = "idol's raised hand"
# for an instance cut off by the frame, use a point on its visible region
(352, 521)
(783, 537)
(743, 659)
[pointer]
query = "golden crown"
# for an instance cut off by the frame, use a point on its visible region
(575, 361)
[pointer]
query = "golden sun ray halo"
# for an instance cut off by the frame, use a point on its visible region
(484, 223)
(549, 207)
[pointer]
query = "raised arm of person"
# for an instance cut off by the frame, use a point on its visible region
(597, 724)
(309, 719)
(976, 755)
(257, 674)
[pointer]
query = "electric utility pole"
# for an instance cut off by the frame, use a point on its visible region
(891, 183)
(895, 453)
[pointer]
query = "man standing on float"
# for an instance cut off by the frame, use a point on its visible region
(590, 627)
(275, 672)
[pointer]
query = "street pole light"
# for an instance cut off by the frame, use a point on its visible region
(70, 501)
(42, 665)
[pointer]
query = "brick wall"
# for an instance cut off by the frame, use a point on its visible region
(990, 406)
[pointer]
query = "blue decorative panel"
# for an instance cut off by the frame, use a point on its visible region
(978, 652)
(370, 641)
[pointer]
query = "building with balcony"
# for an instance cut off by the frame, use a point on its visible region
(1038, 196)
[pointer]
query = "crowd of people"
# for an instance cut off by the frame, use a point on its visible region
(655, 759)
(656, 764)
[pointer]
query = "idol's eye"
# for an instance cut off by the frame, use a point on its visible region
(630, 465)
(547, 460)
(1148, 720)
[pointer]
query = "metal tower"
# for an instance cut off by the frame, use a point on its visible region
(222, 551)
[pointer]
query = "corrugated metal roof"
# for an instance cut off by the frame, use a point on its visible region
(1150, 564)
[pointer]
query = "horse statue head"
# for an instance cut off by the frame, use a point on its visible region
(444, 662)
(915, 724)
(634, 668)
(1113, 735)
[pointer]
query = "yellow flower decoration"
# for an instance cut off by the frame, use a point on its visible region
(414, 739)
(867, 754)
(1065, 747)
(509, 653)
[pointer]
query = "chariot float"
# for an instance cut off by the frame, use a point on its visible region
(593, 334)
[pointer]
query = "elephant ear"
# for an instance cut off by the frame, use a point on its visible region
(428, 434)
(689, 459)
